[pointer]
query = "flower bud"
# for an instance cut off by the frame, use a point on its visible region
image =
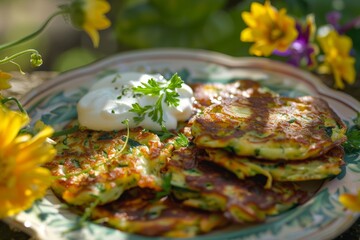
(36, 60)
(76, 12)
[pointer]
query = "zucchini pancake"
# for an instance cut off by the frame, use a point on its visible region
(95, 165)
(139, 211)
(321, 167)
(271, 128)
(215, 93)
(202, 185)
(246, 151)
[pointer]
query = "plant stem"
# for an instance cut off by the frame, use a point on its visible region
(5, 100)
(32, 35)
(8, 59)
(355, 23)
(65, 131)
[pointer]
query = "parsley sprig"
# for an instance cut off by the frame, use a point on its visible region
(166, 92)
(181, 141)
(353, 136)
(166, 187)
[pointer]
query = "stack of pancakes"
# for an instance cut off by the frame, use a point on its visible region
(248, 148)
(285, 139)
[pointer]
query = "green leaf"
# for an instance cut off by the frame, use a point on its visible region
(132, 143)
(140, 111)
(353, 140)
(186, 12)
(172, 99)
(160, 23)
(73, 58)
(181, 141)
(151, 88)
(166, 186)
(165, 91)
(357, 120)
(175, 82)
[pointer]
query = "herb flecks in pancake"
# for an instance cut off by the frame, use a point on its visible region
(321, 167)
(200, 184)
(95, 164)
(237, 160)
(271, 128)
(137, 212)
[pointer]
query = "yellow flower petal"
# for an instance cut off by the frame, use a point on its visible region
(338, 82)
(93, 34)
(337, 57)
(22, 178)
(350, 201)
(89, 15)
(257, 9)
(271, 11)
(28, 187)
(310, 24)
(95, 19)
(4, 80)
(248, 19)
(268, 28)
(262, 49)
(247, 35)
(10, 124)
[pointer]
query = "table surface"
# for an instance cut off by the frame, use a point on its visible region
(21, 84)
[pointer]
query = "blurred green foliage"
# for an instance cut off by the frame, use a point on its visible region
(205, 24)
(186, 23)
(210, 24)
(73, 58)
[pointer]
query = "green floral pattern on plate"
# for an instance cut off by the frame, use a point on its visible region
(57, 105)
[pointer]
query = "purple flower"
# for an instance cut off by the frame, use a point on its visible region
(302, 50)
(333, 18)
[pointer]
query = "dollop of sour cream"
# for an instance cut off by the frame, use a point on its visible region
(108, 103)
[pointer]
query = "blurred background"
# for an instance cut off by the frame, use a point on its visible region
(140, 24)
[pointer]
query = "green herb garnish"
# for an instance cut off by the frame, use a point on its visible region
(181, 141)
(81, 222)
(66, 131)
(353, 140)
(77, 164)
(166, 92)
(292, 120)
(166, 187)
(357, 120)
(353, 136)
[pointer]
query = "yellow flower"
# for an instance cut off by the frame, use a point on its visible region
(337, 57)
(4, 80)
(351, 201)
(89, 15)
(268, 28)
(22, 179)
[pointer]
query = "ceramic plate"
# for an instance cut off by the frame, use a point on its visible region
(322, 217)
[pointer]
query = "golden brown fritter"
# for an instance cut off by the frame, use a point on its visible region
(200, 184)
(138, 211)
(247, 146)
(271, 128)
(206, 94)
(321, 167)
(94, 165)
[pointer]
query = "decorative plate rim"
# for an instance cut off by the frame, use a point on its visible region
(204, 56)
(193, 54)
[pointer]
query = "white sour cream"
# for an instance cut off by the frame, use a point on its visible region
(109, 101)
